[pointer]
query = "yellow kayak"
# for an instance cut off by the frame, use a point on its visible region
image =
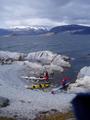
(38, 86)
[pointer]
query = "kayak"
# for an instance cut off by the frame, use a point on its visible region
(30, 78)
(38, 86)
(59, 89)
(34, 79)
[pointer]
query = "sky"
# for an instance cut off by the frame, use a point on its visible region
(15, 13)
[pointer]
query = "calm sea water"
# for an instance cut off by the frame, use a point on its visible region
(75, 46)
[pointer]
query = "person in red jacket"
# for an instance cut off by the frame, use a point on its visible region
(65, 81)
(46, 76)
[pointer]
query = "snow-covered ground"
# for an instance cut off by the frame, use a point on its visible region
(27, 103)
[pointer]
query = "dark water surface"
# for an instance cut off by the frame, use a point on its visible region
(75, 46)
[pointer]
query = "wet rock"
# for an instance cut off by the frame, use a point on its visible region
(4, 102)
(43, 112)
(54, 110)
(22, 101)
(15, 116)
(29, 101)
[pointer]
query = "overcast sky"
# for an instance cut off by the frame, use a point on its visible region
(44, 12)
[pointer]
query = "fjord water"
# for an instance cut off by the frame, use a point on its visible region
(75, 46)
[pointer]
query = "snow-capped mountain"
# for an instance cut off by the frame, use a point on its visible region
(29, 30)
(19, 28)
(32, 30)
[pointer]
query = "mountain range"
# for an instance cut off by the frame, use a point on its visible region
(72, 29)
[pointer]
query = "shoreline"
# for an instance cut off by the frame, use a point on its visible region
(44, 115)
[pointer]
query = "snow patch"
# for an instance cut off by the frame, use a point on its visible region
(82, 84)
(85, 71)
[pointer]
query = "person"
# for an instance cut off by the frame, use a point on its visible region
(65, 81)
(46, 76)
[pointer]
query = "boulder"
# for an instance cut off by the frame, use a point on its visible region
(4, 101)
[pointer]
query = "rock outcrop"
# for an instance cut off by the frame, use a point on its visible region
(4, 101)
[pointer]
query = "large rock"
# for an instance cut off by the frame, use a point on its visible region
(82, 82)
(11, 55)
(48, 57)
(4, 102)
(37, 61)
(41, 61)
(85, 71)
(44, 57)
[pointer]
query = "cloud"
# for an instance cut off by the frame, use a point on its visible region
(33, 21)
(48, 12)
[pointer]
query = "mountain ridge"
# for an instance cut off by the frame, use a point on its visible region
(39, 30)
(73, 29)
